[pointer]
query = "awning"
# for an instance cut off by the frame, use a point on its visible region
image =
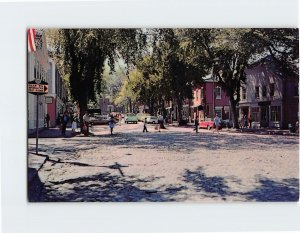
(195, 106)
(199, 107)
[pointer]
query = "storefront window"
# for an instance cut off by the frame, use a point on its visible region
(275, 113)
(257, 92)
(255, 114)
(243, 93)
(218, 111)
(218, 92)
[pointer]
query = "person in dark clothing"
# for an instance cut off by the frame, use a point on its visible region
(196, 124)
(145, 125)
(65, 120)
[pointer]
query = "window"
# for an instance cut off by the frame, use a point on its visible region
(264, 91)
(257, 92)
(272, 89)
(243, 93)
(197, 94)
(275, 113)
(255, 114)
(218, 111)
(218, 92)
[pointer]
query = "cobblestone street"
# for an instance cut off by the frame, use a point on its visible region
(174, 165)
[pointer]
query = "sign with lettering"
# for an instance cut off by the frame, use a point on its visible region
(38, 88)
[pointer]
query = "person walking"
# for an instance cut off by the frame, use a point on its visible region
(65, 120)
(111, 124)
(197, 124)
(86, 121)
(217, 123)
(47, 120)
(74, 124)
(145, 126)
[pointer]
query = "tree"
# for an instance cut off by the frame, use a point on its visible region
(230, 51)
(82, 54)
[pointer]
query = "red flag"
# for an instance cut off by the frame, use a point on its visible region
(31, 40)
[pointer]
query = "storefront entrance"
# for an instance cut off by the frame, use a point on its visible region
(264, 116)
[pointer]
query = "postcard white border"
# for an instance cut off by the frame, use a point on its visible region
(20, 216)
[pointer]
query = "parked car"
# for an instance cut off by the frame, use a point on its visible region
(152, 119)
(206, 124)
(130, 117)
(99, 119)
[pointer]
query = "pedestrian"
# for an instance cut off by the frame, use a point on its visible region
(245, 121)
(217, 123)
(65, 120)
(145, 126)
(74, 124)
(47, 120)
(160, 122)
(86, 121)
(111, 124)
(250, 121)
(196, 124)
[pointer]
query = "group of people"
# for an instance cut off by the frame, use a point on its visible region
(216, 126)
(63, 120)
(158, 126)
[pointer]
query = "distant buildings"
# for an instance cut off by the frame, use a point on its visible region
(210, 99)
(107, 106)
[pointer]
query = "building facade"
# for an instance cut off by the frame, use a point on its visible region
(269, 99)
(210, 99)
(57, 95)
(37, 68)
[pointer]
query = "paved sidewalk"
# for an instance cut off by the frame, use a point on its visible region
(260, 131)
(35, 186)
(51, 133)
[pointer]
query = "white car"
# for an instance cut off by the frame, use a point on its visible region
(152, 119)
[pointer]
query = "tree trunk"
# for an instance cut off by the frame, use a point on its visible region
(83, 108)
(130, 105)
(235, 113)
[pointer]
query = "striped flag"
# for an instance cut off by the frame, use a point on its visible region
(31, 40)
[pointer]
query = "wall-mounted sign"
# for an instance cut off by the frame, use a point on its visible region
(48, 100)
(38, 88)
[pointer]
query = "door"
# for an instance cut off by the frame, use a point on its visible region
(264, 116)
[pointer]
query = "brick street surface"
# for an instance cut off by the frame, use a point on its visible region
(175, 164)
